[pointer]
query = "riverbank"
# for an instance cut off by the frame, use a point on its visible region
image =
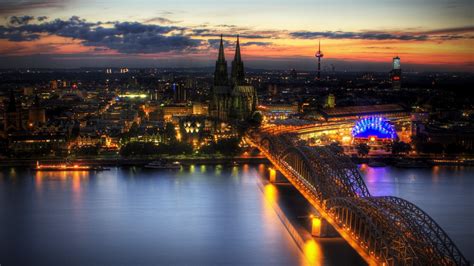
(134, 161)
(407, 161)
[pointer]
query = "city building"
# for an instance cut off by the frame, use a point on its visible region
(231, 99)
(36, 114)
(13, 116)
(396, 73)
(330, 101)
(272, 112)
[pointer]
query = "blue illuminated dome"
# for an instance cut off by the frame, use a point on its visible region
(374, 126)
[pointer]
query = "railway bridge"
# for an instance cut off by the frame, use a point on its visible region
(384, 230)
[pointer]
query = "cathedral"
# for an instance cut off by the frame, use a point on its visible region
(231, 99)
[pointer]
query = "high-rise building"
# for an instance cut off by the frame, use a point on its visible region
(12, 119)
(36, 114)
(180, 93)
(396, 73)
(330, 101)
(231, 99)
(53, 84)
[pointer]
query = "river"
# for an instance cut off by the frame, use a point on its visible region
(200, 215)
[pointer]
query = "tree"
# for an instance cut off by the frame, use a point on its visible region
(256, 120)
(400, 147)
(170, 132)
(228, 147)
(362, 149)
(336, 148)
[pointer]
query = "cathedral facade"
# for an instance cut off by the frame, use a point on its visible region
(231, 98)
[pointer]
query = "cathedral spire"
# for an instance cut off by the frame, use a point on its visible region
(220, 73)
(238, 75)
(237, 56)
(221, 57)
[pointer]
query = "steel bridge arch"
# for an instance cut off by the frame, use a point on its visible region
(392, 230)
(329, 179)
(301, 165)
(430, 241)
(364, 229)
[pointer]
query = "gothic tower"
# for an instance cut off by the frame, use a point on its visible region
(238, 75)
(220, 73)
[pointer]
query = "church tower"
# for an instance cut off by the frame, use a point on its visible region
(238, 75)
(220, 73)
(231, 100)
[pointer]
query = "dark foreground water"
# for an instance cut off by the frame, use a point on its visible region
(202, 215)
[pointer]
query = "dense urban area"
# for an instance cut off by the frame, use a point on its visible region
(184, 113)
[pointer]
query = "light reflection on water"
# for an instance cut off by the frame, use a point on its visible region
(196, 215)
(209, 215)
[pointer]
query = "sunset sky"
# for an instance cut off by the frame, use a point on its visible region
(355, 35)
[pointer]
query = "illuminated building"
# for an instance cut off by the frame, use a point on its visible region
(180, 93)
(231, 99)
(336, 124)
(396, 73)
(174, 112)
(36, 114)
(200, 109)
(53, 85)
(374, 128)
(272, 112)
(330, 101)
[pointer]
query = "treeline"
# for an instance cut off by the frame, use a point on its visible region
(150, 148)
(226, 147)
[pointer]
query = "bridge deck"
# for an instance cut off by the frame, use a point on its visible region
(383, 230)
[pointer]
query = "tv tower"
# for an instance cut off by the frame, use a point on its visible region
(319, 55)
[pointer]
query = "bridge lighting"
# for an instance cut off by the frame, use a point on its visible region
(315, 225)
(273, 174)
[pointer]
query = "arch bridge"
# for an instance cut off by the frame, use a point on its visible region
(383, 230)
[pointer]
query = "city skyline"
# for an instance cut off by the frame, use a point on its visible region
(69, 34)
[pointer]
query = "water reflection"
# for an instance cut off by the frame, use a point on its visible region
(136, 216)
(312, 251)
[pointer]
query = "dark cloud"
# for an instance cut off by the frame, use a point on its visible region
(14, 20)
(257, 44)
(17, 6)
(42, 18)
(214, 43)
(160, 20)
(125, 37)
(436, 34)
(451, 30)
(213, 33)
(357, 35)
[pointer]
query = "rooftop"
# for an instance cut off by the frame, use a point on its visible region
(361, 110)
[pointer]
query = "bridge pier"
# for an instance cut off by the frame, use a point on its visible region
(321, 228)
(272, 174)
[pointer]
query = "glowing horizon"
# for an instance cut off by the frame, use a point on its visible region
(274, 34)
